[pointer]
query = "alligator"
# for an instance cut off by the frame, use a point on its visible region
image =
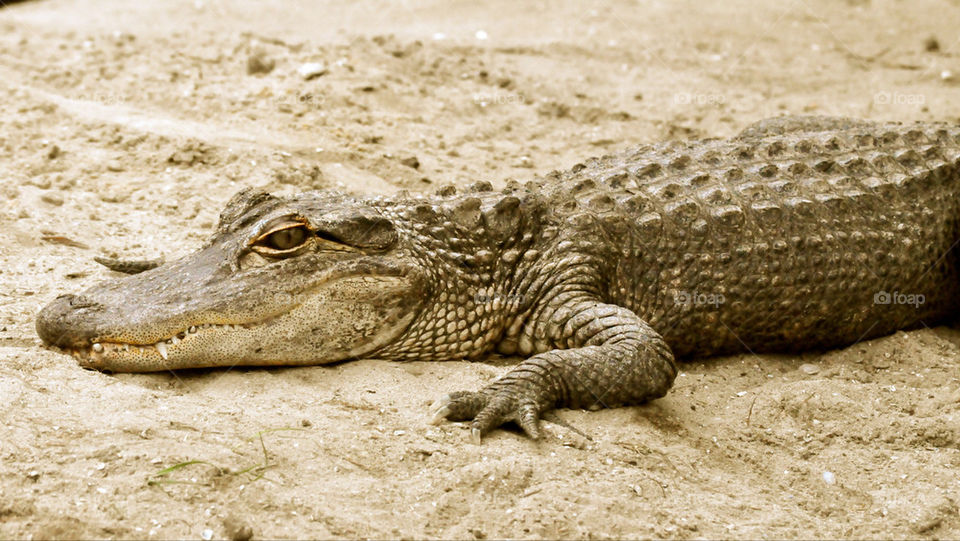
(800, 233)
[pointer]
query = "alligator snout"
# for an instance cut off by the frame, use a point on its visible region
(68, 321)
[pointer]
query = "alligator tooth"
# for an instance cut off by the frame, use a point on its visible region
(192, 329)
(162, 349)
(98, 347)
(174, 341)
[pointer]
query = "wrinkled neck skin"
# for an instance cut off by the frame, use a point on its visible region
(407, 278)
(477, 253)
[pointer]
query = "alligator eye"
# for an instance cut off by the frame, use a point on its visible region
(283, 240)
(287, 239)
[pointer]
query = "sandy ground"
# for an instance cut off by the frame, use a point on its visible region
(125, 126)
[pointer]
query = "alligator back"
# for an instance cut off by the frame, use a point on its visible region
(800, 233)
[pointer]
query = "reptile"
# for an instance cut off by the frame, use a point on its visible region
(800, 233)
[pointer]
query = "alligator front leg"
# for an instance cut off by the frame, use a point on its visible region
(613, 359)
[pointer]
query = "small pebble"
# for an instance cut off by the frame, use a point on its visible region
(115, 166)
(243, 534)
(525, 162)
(411, 161)
(311, 69)
(54, 152)
(52, 198)
(206, 535)
(237, 529)
(829, 478)
(259, 62)
(946, 75)
(931, 44)
(809, 369)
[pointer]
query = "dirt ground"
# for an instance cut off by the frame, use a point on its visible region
(125, 126)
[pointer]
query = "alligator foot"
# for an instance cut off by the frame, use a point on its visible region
(617, 360)
(489, 410)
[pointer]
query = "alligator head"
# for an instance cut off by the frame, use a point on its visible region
(315, 279)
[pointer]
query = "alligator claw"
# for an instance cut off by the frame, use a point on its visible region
(489, 409)
(440, 409)
(441, 402)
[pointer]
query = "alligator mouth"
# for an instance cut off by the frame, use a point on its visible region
(98, 354)
(339, 319)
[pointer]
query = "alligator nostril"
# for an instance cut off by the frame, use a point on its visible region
(77, 301)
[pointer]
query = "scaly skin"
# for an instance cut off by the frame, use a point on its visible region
(801, 233)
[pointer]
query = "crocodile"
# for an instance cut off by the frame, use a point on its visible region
(800, 233)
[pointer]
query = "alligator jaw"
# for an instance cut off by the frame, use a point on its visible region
(340, 319)
(123, 356)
